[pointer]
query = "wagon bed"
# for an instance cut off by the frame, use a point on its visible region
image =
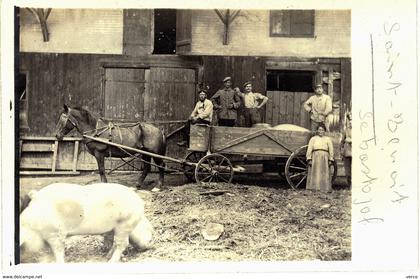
(253, 141)
(283, 146)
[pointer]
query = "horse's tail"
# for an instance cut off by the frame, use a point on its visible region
(142, 234)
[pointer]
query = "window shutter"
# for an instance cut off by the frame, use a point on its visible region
(183, 31)
(302, 22)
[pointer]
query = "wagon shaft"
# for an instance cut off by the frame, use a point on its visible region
(107, 142)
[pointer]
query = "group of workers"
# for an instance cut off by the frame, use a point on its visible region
(226, 101)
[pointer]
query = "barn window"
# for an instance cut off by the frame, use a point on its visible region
(292, 23)
(165, 31)
(289, 80)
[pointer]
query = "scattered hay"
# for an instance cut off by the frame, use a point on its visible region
(260, 224)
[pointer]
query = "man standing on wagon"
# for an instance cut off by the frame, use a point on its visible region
(226, 102)
(252, 104)
(319, 106)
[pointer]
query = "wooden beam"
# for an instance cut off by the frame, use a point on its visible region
(226, 19)
(234, 15)
(47, 13)
(49, 173)
(331, 83)
(42, 15)
(220, 16)
(226, 29)
(75, 155)
(54, 158)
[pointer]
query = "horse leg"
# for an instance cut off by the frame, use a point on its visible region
(161, 165)
(146, 170)
(100, 159)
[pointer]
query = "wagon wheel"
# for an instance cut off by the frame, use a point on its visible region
(296, 169)
(192, 157)
(214, 168)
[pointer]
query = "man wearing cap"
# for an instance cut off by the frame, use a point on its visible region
(202, 114)
(252, 104)
(226, 102)
(319, 106)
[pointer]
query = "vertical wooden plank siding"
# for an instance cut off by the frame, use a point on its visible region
(287, 108)
(296, 108)
(183, 31)
(124, 91)
(304, 115)
(240, 68)
(174, 91)
(269, 108)
(346, 82)
(137, 38)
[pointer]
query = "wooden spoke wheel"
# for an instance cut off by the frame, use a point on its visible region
(192, 157)
(296, 169)
(214, 168)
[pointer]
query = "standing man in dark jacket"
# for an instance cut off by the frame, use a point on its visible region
(226, 102)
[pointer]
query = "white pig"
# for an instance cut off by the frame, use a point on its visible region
(62, 209)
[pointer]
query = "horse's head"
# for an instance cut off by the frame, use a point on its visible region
(65, 124)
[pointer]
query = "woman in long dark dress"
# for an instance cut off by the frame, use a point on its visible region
(320, 156)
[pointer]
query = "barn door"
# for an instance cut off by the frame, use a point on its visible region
(287, 108)
(171, 96)
(124, 93)
(183, 31)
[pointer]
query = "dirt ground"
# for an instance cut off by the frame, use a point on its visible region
(262, 218)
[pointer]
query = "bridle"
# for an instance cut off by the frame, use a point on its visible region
(72, 120)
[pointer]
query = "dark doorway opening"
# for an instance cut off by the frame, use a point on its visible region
(165, 31)
(290, 80)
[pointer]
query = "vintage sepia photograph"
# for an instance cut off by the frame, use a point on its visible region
(201, 139)
(184, 135)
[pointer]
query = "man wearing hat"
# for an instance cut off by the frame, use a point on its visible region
(319, 106)
(226, 102)
(252, 104)
(202, 114)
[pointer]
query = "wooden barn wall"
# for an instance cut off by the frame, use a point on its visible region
(239, 68)
(76, 80)
(248, 68)
(346, 83)
(57, 79)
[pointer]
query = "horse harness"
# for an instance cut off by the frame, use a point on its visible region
(100, 130)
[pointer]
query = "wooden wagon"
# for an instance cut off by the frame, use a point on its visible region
(216, 153)
(219, 150)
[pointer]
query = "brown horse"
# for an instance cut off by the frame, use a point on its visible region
(142, 136)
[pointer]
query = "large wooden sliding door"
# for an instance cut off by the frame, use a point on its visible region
(171, 95)
(149, 94)
(124, 93)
